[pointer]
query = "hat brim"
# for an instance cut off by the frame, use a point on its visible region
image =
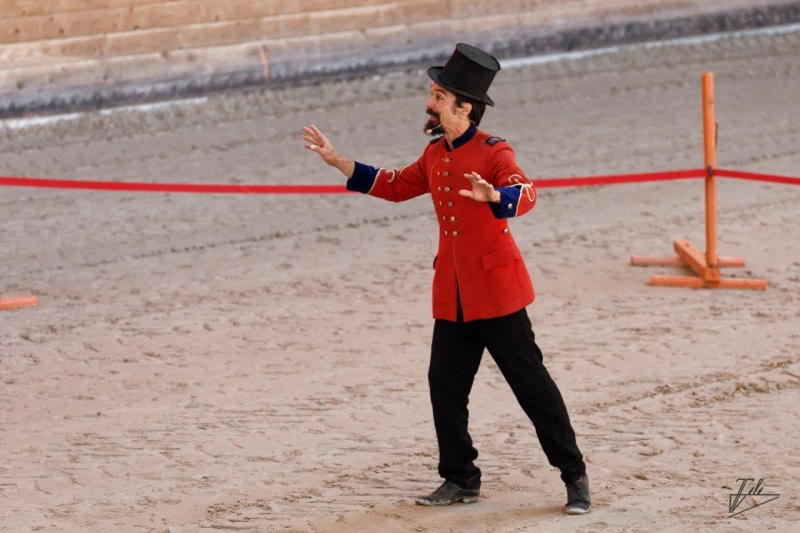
(435, 73)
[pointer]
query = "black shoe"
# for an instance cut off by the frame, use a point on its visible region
(579, 501)
(449, 493)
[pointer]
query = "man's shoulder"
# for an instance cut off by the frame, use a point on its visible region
(433, 146)
(487, 138)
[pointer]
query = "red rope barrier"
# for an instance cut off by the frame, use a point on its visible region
(170, 187)
(771, 178)
(310, 189)
(340, 189)
(620, 178)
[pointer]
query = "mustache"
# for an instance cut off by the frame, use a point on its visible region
(432, 113)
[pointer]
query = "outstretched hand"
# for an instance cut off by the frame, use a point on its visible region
(482, 190)
(320, 144)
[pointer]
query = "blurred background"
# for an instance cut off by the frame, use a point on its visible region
(60, 55)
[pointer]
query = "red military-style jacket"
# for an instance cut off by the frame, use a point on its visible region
(477, 260)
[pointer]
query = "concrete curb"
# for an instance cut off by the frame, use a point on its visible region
(370, 58)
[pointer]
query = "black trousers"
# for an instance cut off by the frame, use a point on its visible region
(456, 353)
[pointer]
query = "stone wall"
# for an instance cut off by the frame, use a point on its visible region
(72, 53)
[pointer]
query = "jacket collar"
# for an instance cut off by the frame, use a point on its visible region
(464, 139)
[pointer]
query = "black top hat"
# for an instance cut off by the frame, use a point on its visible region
(468, 72)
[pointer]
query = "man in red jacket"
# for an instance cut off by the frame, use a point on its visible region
(480, 285)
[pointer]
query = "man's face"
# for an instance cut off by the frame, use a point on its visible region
(441, 106)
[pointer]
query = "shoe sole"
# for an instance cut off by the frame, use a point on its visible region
(577, 511)
(465, 499)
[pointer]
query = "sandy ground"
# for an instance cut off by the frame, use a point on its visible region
(259, 363)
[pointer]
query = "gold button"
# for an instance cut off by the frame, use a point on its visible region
(510, 206)
(445, 233)
(440, 203)
(449, 204)
(444, 217)
(447, 160)
(505, 231)
(455, 234)
(446, 174)
(452, 219)
(447, 189)
(439, 189)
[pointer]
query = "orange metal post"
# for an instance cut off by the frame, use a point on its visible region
(706, 266)
(710, 144)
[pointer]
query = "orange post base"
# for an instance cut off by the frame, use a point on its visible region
(708, 277)
(17, 302)
(699, 283)
(653, 260)
(692, 256)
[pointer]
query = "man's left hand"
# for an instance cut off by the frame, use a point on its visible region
(482, 190)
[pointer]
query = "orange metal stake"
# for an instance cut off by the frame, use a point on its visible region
(706, 266)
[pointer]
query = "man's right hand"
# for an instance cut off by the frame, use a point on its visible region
(320, 144)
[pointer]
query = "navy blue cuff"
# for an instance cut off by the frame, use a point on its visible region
(509, 198)
(363, 178)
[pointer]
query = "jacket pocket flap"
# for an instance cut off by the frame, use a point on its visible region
(500, 257)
